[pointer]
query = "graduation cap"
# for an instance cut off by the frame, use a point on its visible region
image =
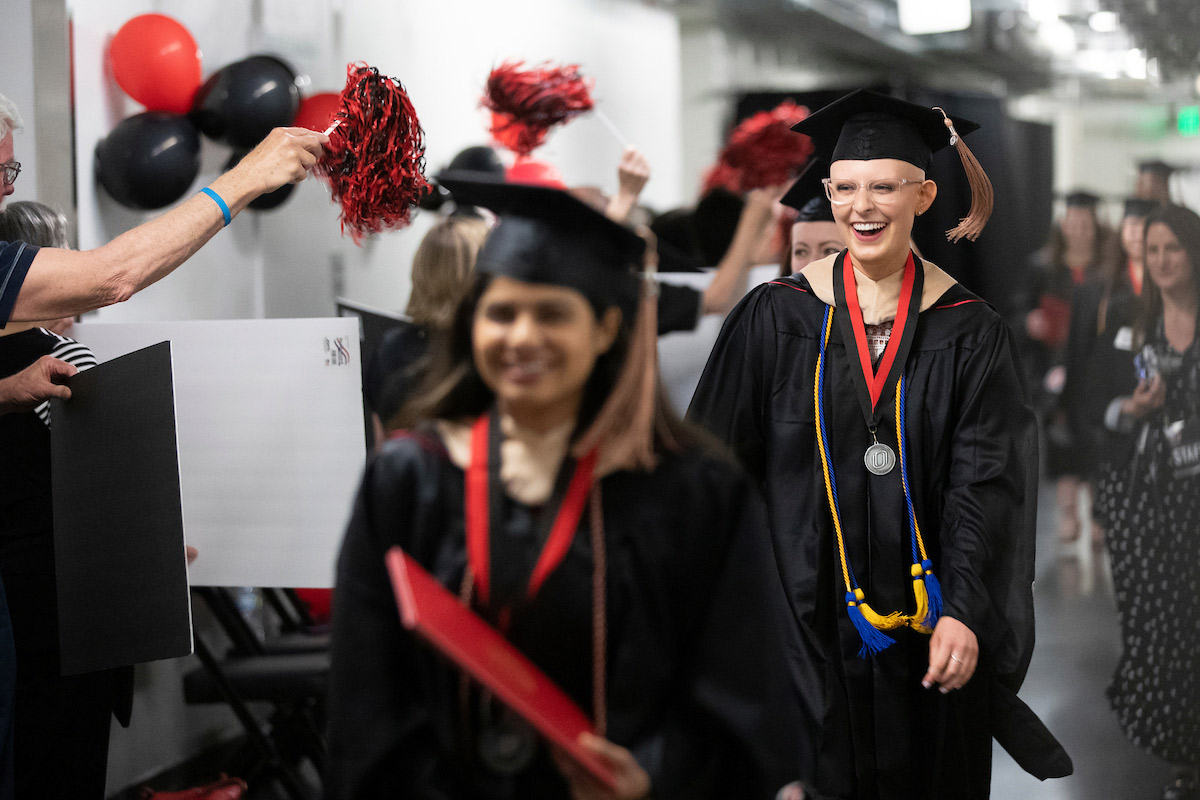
(866, 125)
(1081, 198)
(807, 194)
(1138, 207)
(546, 235)
(1156, 167)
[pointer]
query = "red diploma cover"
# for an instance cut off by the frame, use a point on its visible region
(458, 633)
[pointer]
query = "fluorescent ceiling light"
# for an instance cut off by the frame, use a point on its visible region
(1103, 22)
(934, 16)
(1042, 10)
(1059, 36)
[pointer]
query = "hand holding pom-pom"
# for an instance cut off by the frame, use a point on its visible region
(375, 160)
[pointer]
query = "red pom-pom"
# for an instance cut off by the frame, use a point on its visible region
(374, 162)
(762, 151)
(527, 103)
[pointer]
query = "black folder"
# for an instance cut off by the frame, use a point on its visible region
(373, 323)
(118, 516)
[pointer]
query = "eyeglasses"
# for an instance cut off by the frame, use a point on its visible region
(882, 192)
(11, 170)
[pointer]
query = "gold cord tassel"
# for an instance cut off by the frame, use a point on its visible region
(983, 198)
(878, 621)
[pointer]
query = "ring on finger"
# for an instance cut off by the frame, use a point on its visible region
(955, 658)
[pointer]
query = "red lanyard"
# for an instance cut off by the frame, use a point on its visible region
(1135, 278)
(877, 380)
(479, 476)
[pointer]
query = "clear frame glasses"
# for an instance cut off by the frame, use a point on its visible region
(882, 191)
(11, 170)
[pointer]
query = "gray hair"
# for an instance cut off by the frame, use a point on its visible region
(10, 117)
(33, 223)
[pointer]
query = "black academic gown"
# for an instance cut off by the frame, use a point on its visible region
(695, 669)
(973, 455)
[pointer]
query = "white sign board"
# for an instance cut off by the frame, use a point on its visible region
(271, 440)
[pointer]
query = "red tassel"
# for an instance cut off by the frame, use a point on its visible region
(374, 162)
(527, 102)
(762, 151)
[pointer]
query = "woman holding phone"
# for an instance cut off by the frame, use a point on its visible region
(1149, 502)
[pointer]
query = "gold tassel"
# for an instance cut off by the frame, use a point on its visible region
(918, 618)
(880, 623)
(626, 424)
(983, 198)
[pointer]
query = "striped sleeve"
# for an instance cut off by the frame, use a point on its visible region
(72, 352)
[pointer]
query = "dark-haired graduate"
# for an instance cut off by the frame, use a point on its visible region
(879, 406)
(552, 488)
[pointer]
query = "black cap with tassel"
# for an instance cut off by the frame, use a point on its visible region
(866, 125)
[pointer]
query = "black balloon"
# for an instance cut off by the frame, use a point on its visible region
(264, 202)
(149, 160)
(242, 102)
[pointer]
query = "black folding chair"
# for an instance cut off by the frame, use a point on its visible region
(292, 682)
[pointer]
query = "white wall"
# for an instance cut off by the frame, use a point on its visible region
(292, 262)
(1098, 145)
(16, 83)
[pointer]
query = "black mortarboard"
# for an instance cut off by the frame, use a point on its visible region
(1156, 166)
(545, 235)
(866, 125)
(807, 194)
(1081, 198)
(477, 158)
(1139, 207)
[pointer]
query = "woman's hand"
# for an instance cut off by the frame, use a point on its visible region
(1147, 397)
(953, 655)
(633, 782)
(632, 174)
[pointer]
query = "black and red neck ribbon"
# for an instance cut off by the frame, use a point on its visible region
(873, 384)
(559, 519)
(1135, 277)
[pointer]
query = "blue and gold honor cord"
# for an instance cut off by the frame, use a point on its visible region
(869, 623)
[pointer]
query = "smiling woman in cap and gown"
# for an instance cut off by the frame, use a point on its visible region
(879, 405)
(552, 488)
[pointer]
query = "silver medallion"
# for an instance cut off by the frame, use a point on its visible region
(506, 744)
(879, 459)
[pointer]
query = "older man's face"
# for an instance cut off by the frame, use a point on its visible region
(6, 155)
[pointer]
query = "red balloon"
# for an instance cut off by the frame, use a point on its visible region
(157, 62)
(539, 173)
(316, 112)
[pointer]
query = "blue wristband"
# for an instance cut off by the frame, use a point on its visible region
(221, 203)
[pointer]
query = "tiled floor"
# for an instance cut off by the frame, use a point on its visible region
(1077, 648)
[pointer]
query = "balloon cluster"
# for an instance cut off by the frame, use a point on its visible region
(151, 159)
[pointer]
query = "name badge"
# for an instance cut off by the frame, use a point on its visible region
(1183, 440)
(1124, 338)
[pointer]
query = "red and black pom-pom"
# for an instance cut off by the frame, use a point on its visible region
(374, 162)
(762, 151)
(527, 102)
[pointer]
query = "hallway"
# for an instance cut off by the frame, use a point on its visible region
(1078, 645)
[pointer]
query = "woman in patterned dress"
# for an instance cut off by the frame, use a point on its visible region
(1150, 501)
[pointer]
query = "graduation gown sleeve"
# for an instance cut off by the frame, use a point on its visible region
(382, 738)
(714, 610)
(732, 397)
(989, 511)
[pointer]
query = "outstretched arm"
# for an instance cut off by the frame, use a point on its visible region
(64, 282)
(729, 282)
